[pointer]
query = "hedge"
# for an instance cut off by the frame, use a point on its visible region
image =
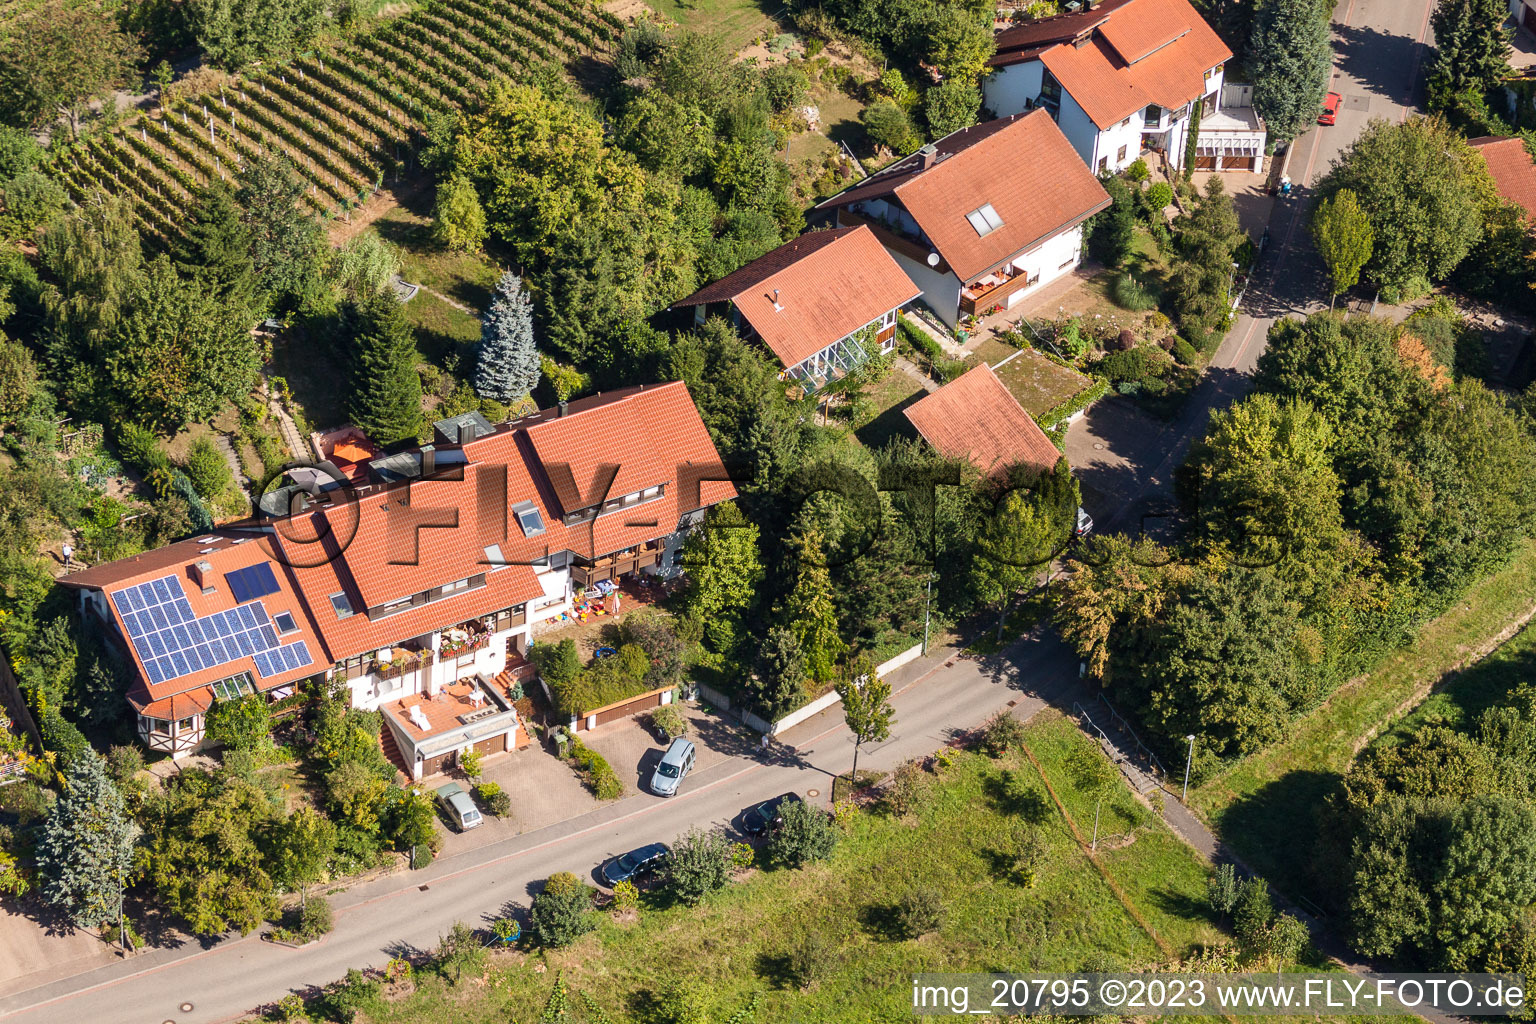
(597, 773)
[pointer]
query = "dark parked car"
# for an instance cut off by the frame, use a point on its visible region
(757, 820)
(1330, 114)
(631, 866)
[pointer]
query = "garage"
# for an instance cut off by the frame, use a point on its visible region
(1205, 163)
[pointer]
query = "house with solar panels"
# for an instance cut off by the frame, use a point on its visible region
(413, 588)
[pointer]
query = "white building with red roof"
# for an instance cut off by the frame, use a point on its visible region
(417, 587)
(981, 218)
(1125, 76)
(808, 301)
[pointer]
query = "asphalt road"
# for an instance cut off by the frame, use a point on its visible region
(409, 912)
(1380, 49)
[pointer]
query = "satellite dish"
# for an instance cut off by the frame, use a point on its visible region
(933, 259)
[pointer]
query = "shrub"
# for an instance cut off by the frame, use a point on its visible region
(290, 1008)
(459, 954)
(806, 834)
(316, 918)
(1132, 366)
(809, 958)
(906, 788)
(1137, 171)
(626, 896)
(742, 855)
(919, 911)
(558, 664)
(597, 773)
(561, 913)
(469, 763)
(888, 125)
(1128, 293)
(346, 998)
(207, 468)
(1001, 734)
(1159, 195)
(1184, 353)
(700, 864)
(124, 763)
(493, 799)
(669, 721)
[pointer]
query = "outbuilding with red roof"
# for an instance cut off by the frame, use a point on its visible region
(976, 418)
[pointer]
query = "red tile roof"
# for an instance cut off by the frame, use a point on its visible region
(1023, 166)
(386, 543)
(975, 417)
(1139, 52)
(1512, 170)
(225, 551)
(827, 284)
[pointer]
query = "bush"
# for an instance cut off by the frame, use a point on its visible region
(1131, 366)
(459, 954)
(558, 664)
(207, 468)
(124, 763)
(742, 855)
(1184, 353)
(700, 864)
(596, 772)
(290, 1008)
(1001, 734)
(469, 763)
(889, 126)
(493, 800)
(906, 789)
(919, 911)
(561, 913)
(1137, 171)
(806, 834)
(809, 958)
(62, 737)
(316, 917)
(1159, 195)
(1128, 293)
(27, 800)
(669, 721)
(346, 998)
(626, 896)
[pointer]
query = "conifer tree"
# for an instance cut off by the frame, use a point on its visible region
(215, 246)
(1290, 56)
(85, 855)
(811, 612)
(1471, 46)
(509, 361)
(386, 392)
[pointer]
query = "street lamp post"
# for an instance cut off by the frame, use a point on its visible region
(1189, 760)
(927, 608)
(1231, 280)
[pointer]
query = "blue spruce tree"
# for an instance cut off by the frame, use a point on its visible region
(509, 361)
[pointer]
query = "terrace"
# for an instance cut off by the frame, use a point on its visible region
(426, 731)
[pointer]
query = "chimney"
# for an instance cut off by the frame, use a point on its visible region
(561, 407)
(428, 460)
(202, 575)
(928, 156)
(466, 431)
(776, 307)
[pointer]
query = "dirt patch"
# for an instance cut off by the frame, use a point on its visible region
(381, 202)
(629, 10)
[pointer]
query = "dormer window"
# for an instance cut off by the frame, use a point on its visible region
(985, 219)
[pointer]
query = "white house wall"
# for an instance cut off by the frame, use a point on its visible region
(1011, 89)
(1127, 135)
(941, 291)
(1047, 261)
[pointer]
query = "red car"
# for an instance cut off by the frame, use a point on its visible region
(1330, 112)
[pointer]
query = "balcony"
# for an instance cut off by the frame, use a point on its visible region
(399, 666)
(614, 566)
(994, 290)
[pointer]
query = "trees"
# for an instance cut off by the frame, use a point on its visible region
(1199, 287)
(85, 854)
(1471, 46)
(208, 469)
(725, 569)
(809, 610)
(385, 396)
(305, 843)
(287, 244)
(1114, 230)
(700, 864)
(1093, 774)
(59, 57)
(1030, 523)
(234, 33)
(867, 707)
(780, 677)
(459, 219)
(1344, 239)
(889, 126)
(1423, 190)
(1290, 57)
(951, 105)
(508, 365)
(214, 247)
(242, 724)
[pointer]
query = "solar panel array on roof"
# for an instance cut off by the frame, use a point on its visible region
(251, 582)
(172, 642)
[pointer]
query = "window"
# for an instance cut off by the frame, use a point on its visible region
(394, 606)
(1103, 164)
(284, 622)
(454, 587)
(889, 319)
(185, 725)
(1120, 158)
(159, 726)
(1126, 123)
(232, 688)
(650, 492)
(342, 605)
(1153, 114)
(528, 518)
(984, 219)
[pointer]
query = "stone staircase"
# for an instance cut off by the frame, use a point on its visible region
(1119, 744)
(392, 750)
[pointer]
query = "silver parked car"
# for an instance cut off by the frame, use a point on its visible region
(675, 763)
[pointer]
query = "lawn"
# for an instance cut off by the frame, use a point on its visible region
(957, 841)
(738, 21)
(886, 418)
(1265, 806)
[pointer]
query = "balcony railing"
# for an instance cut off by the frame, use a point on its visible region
(457, 649)
(977, 301)
(402, 666)
(614, 567)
